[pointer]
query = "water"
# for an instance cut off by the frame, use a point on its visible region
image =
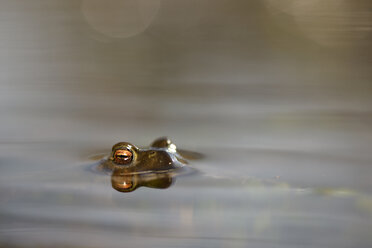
(276, 97)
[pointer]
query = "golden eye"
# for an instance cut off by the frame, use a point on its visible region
(123, 156)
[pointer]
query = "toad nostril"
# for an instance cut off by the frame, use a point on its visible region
(152, 154)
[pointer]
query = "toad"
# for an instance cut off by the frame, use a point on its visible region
(155, 166)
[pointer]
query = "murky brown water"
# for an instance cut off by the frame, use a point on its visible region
(276, 96)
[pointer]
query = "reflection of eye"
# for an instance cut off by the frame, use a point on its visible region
(126, 185)
(123, 156)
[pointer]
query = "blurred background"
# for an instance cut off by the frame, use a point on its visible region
(276, 94)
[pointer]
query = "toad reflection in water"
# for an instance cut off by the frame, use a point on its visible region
(155, 167)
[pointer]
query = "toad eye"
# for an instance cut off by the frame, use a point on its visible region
(123, 156)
